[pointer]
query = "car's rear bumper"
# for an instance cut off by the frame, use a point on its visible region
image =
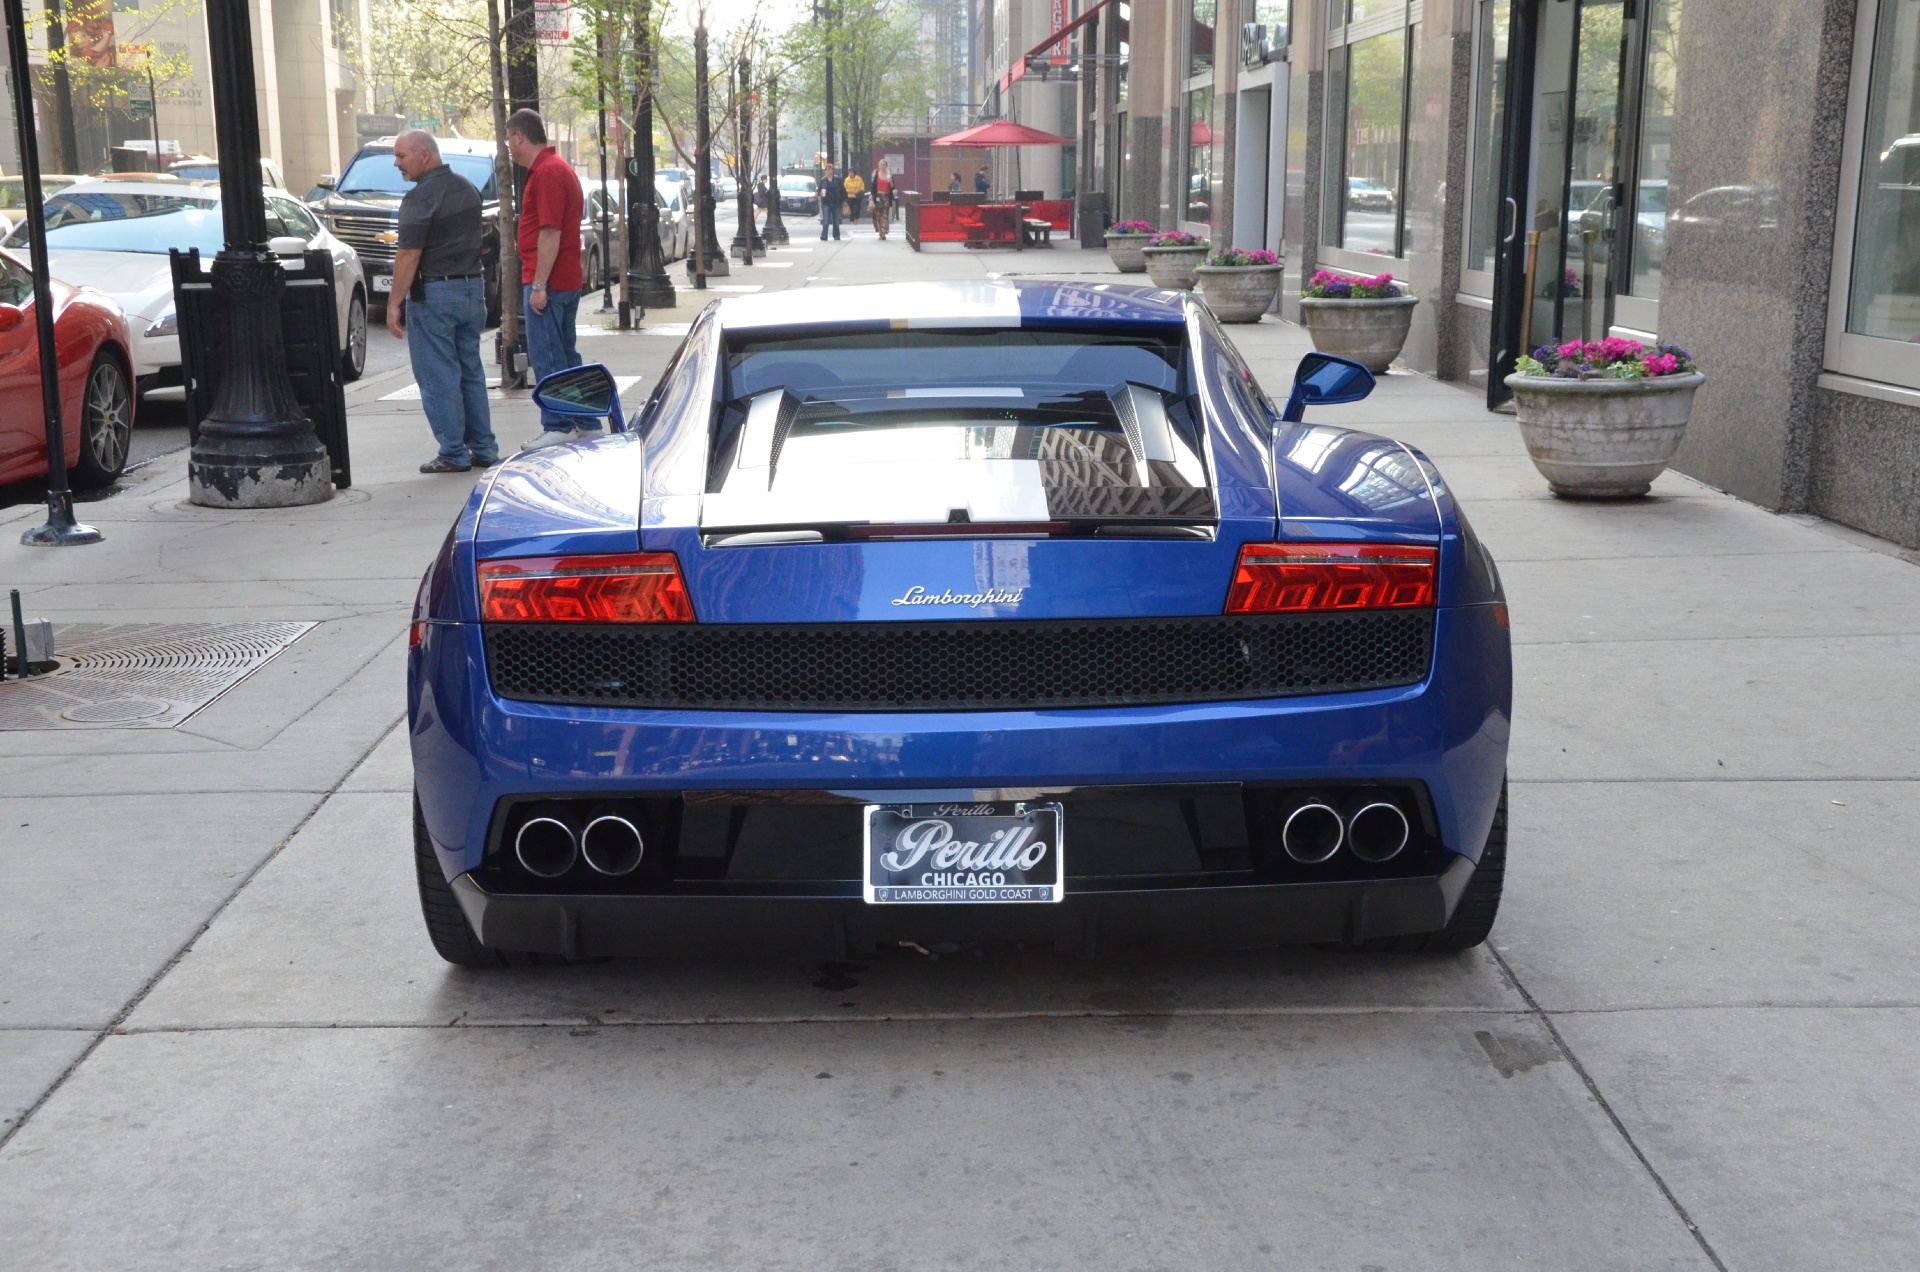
(835, 926)
(472, 750)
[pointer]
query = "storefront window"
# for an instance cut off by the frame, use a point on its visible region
(1489, 132)
(1656, 147)
(1376, 108)
(1276, 16)
(1200, 44)
(1201, 170)
(1884, 296)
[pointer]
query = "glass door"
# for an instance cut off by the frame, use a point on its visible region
(1554, 272)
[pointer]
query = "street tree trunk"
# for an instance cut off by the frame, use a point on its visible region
(509, 222)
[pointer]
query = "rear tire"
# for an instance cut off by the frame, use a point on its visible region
(1472, 919)
(106, 423)
(447, 925)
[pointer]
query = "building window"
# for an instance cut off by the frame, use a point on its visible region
(1200, 43)
(1657, 92)
(1876, 302)
(1485, 223)
(1202, 141)
(1883, 297)
(1367, 93)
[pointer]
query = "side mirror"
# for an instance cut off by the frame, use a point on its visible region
(287, 245)
(12, 317)
(587, 392)
(1322, 379)
(327, 182)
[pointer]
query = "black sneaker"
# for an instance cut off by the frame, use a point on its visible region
(439, 465)
(488, 462)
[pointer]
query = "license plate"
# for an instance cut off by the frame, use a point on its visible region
(963, 854)
(383, 282)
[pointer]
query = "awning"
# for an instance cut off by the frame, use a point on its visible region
(1000, 132)
(1019, 68)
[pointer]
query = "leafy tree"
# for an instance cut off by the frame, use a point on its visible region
(879, 69)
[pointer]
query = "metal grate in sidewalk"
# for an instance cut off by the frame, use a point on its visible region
(140, 675)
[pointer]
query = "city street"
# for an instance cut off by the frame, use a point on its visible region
(226, 1042)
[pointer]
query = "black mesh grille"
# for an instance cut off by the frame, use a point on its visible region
(958, 666)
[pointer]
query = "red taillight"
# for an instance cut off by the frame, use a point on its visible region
(638, 587)
(1294, 578)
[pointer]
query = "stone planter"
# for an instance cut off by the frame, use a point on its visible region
(1124, 251)
(1239, 293)
(1368, 331)
(1172, 267)
(1603, 439)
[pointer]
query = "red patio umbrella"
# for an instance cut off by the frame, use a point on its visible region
(1001, 132)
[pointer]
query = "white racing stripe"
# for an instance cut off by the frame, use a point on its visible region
(412, 392)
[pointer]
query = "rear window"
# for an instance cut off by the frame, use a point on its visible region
(964, 426)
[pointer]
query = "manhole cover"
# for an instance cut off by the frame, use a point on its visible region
(113, 711)
(140, 675)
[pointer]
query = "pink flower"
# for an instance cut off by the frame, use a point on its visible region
(1660, 364)
(1615, 349)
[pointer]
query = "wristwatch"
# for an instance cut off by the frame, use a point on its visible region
(539, 287)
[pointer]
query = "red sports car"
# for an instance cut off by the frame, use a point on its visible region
(96, 381)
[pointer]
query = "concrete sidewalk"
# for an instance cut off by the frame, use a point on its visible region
(1688, 1045)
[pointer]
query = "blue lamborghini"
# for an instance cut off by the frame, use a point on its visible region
(965, 611)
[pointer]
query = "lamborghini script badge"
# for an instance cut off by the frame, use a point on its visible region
(992, 596)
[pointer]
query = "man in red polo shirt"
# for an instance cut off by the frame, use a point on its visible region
(549, 242)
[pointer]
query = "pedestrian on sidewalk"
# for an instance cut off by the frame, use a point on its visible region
(882, 186)
(833, 193)
(981, 184)
(550, 274)
(438, 304)
(856, 194)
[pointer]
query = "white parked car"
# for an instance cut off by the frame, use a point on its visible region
(112, 234)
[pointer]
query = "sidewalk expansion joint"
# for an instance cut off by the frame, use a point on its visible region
(1620, 1127)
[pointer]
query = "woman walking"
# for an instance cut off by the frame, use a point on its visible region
(882, 189)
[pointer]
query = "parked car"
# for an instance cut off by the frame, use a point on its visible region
(206, 168)
(958, 611)
(362, 207)
(113, 233)
(799, 193)
(13, 196)
(676, 201)
(96, 380)
(666, 227)
(726, 187)
(1368, 195)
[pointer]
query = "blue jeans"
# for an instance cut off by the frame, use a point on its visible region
(830, 216)
(551, 345)
(443, 342)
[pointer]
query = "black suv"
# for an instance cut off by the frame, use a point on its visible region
(362, 208)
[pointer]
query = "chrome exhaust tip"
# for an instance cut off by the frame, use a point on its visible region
(1378, 832)
(545, 847)
(1312, 833)
(612, 845)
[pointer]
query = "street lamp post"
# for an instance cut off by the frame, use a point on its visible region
(776, 231)
(823, 12)
(647, 281)
(707, 260)
(61, 528)
(746, 240)
(256, 448)
(606, 229)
